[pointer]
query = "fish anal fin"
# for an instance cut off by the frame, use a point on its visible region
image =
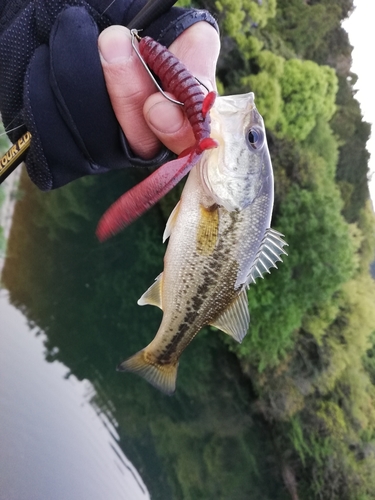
(153, 295)
(208, 229)
(171, 222)
(235, 319)
(270, 251)
(161, 376)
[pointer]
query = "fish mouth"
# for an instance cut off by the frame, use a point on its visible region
(239, 102)
(256, 117)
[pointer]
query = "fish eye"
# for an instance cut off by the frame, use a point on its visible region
(255, 137)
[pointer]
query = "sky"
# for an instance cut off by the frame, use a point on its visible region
(361, 29)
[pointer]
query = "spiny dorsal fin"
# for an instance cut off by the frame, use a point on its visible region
(163, 377)
(153, 295)
(268, 254)
(235, 319)
(171, 222)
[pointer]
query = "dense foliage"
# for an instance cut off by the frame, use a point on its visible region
(301, 385)
(313, 341)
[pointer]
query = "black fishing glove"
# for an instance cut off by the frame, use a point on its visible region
(52, 84)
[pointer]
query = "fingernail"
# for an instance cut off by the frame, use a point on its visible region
(166, 117)
(115, 44)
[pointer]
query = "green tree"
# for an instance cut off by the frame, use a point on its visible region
(308, 92)
(305, 26)
(266, 86)
(293, 95)
(353, 134)
(268, 98)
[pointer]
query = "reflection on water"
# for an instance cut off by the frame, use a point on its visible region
(53, 443)
(206, 442)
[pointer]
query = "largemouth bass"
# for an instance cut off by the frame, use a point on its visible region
(220, 241)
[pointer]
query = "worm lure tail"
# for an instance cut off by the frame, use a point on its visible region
(176, 79)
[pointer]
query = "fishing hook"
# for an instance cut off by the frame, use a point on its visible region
(134, 35)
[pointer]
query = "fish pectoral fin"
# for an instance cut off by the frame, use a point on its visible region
(163, 377)
(171, 222)
(153, 295)
(270, 251)
(235, 319)
(208, 230)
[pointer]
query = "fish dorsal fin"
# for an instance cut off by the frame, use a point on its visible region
(171, 222)
(153, 295)
(268, 254)
(235, 319)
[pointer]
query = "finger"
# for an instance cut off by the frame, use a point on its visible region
(128, 86)
(169, 123)
(198, 48)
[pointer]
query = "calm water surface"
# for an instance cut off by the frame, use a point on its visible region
(70, 425)
(54, 443)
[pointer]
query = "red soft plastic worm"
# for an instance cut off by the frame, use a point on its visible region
(175, 78)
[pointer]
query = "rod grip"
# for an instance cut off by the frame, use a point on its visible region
(14, 156)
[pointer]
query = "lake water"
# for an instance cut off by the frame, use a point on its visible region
(54, 443)
(70, 425)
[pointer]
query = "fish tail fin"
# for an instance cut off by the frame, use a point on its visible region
(161, 376)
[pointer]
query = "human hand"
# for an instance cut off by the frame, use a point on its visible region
(147, 118)
(53, 85)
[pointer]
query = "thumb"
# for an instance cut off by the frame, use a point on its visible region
(128, 86)
(198, 48)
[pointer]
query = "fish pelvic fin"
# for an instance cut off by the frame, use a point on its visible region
(161, 376)
(235, 319)
(153, 295)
